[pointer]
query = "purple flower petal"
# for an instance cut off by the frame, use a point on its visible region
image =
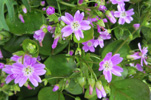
(108, 56)
(116, 59)
(33, 81)
(99, 94)
(22, 81)
(121, 21)
(108, 75)
(139, 67)
(78, 17)
(101, 66)
(79, 34)
(67, 30)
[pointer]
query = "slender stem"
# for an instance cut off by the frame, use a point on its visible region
(68, 95)
(54, 78)
(124, 42)
(90, 69)
(59, 7)
(67, 4)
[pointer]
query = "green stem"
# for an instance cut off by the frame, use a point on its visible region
(68, 95)
(67, 4)
(90, 69)
(124, 42)
(59, 7)
(54, 78)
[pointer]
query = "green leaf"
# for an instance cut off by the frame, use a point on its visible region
(33, 21)
(129, 89)
(74, 88)
(60, 47)
(14, 43)
(10, 7)
(47, 94)
(88, 35)
(135, 1)
(59, 65)
(114, 46)
(2, 17)
(46, 48)
(147, 33)
(4, 37)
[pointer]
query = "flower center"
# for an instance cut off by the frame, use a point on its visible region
(89, 43)
(100, 38)
(123, 14)
(28, 70)
(75, 25)
(108, 65)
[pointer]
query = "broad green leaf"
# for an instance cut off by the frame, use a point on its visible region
(46, 93)
(60, 47)
(88, 35)
(33, 21)
(10, 7)
(129, 89)
(135, 1)
(147, 33)
(2, 17)
(26, 93)
(14, 43)
(123, 50)
(59, 65)
(4, 37)
(47, 42)
(74, 88)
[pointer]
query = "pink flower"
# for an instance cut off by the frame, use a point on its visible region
(75, 24)
(29, 87)
(50, 10)
(55, 42)
(16, 58)
(109, 66)
(89, 45)
(124, 16)
(118, 1)
(140, 55)
(40, 34)
(20, 16)
(1, 65)
(103, 36)
(29, 70)
(100, 90)
(80, 1)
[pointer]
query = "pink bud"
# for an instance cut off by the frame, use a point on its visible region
(50, 10)
(42, 3)
(21, 18)
(56, 87)
(43, 9)
(80, 1)
(90, 89)
(24, 9)
(1, 55)
(136, 26)
(29, 87)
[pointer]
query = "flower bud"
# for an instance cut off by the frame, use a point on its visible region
(49, 28)
(81, 81)
(24, 9)
(80, 1)
(136, 26)
(31, 48)
(99, 85)
(42, 3)
(50, 10)
(1, 55)
(1, 37)
(100, 2)
(20, 16)
(110, 17)
(78, 51)
(101, 23)
(56, 87)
